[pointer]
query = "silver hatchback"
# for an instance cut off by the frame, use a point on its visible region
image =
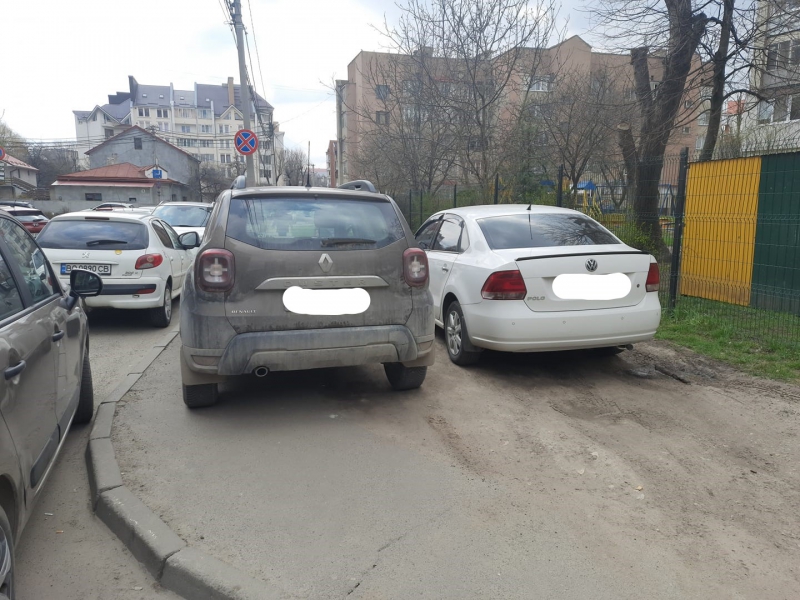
(290, 278)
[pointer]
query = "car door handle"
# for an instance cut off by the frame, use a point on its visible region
(58, 335)
(444, 268)
(15, 370)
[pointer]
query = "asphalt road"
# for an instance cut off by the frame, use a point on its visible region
(86, 561)
(528, 476)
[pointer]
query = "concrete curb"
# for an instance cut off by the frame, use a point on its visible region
(186, 571)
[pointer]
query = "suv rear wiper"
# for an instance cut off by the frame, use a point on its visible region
(343, 241)
(98, 242)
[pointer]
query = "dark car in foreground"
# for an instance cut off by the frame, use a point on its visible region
(291, 278)
(46, 383)
(31, 218)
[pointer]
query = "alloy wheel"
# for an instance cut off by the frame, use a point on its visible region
(453, 333)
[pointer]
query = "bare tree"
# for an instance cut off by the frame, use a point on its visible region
(446, 86)
(294, 166)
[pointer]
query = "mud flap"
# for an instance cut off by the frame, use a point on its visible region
(189, 377)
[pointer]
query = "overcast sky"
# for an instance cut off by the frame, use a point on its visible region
(65, 55)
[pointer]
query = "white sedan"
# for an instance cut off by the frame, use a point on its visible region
(522, 278)
(140, 258)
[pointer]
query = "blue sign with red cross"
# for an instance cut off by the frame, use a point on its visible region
(246, 142)
(2, 154)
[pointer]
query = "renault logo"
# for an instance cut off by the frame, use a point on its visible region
(591, 265)
(325, 263)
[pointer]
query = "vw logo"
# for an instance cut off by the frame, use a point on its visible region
(325, 263)
(591, 265)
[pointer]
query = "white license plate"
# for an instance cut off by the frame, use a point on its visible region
(99, 269)
(300, 301)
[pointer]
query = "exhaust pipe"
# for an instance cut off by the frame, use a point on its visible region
(260, 371)
(628, 346)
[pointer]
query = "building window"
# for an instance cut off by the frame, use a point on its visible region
(137, 143)
(93, 197)
(224, 128)
(778, 55)
(204, 113)
(239, 127)
(186, 113)
(703, 118)
(174, 197)
(686, 130)
(206, 143)
(226, 144)
(539, 84)
(163, 126)
(186, 129)
(131, 199)
(144, 112)
(162, 113)
(764, 111)
(206, 129)
(185, 142)
(225, 158)
(701, 139)
(687, 104)
(382, 118)
(794, 112)
(206, 157)
(109, 133)
(705, 93)
(381, 92)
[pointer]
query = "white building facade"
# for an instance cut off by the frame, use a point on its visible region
(202, 121)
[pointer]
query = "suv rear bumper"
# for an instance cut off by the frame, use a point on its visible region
(312, 349)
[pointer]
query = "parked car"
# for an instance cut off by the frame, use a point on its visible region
(19, 203)
(31, 218)
(47, 381)
(112, 206)
(291, 278)
(523, 278)
(185, 216)
(140, 258)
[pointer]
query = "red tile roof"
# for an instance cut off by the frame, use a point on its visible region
(123, 172)
(17, 163)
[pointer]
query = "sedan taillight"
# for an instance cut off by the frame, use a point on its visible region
(653, 278)
(215, 270)
(148, 261)
(504, 285)
(415, 267)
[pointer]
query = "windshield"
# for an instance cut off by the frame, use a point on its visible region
(184, 216)
(544, 231)
(313, 223)
(98, 235)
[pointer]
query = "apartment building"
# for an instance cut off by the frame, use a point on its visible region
(361, 99)
(202, 121)
(773, 122)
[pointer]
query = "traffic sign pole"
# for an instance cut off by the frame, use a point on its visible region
(243, 85)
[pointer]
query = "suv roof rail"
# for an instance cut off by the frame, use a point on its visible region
(239, 183)
(360, 185)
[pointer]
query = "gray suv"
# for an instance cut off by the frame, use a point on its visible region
(290, 278)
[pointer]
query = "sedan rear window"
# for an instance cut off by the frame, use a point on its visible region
(96, 235)
(184, 216)
(544, 231)
(313, 223)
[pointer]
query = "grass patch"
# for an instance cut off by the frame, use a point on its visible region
(758, 342)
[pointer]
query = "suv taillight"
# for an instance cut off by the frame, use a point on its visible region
(504, 285)
(215, 270)
(148, 261)
(653, 278)
(415, 267)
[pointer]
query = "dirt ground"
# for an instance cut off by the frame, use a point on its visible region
(656, 473)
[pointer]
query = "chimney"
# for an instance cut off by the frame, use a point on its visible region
(230, 91)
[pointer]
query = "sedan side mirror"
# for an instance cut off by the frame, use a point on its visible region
(423, 245)
(189, 240)
(84, 284)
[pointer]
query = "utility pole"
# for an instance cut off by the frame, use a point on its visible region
(244, 88)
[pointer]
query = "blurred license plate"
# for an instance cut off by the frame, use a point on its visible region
(99, 269)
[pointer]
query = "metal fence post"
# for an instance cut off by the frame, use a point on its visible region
(496, 186)
(560, 186)
(410, 209)
(677, 231)
(420, 208)
(455, 196)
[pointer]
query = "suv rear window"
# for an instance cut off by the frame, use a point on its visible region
(98, 235)
(313, 223)
(544, 231)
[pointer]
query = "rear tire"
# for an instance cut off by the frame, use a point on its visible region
(85, 410)
(456, 337)
(7, 543)
(161, 316)
(201, 395)
(404, 378)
